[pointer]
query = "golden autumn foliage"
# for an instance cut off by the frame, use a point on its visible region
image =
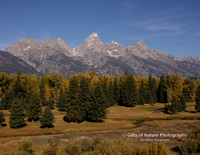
(54, 83)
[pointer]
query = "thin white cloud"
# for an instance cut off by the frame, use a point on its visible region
(156, 24)
(166, 34)
(161, 26)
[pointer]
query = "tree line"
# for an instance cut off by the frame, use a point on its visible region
(85, 97)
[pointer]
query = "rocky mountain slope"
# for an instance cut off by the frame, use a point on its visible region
(12, 64)
(110, 58)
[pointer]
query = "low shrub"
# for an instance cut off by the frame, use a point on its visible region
(51, 148)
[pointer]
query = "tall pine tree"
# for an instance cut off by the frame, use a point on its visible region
(42, 92)
(62, 100)
(74, 111)
(129, 92)
(116, 91)
(141, 93)
(2, 119)
(6, 102)
(197, 106)
(97, 110)
(84, 97)
(183, 102)
(16, 114)
(162, 90)
(111, 94)
(18, 90)
(33, 107)
(47, 118)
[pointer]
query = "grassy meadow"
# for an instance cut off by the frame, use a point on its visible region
(118, 118)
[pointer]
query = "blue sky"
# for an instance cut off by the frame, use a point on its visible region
(171, 26)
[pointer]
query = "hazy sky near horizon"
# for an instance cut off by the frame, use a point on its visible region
(171, 26)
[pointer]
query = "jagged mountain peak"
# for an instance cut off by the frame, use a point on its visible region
(93, 35)
(48, 40)
(113, 42)
(92, 40)
(141, 44)
(24, 40)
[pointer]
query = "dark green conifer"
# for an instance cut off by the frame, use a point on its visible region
(174, 105)
(111, 94)
(6, 102)
(97, 110)
(47, 118)
(62, 100)
(197, 106)
(186, 94)
(50, 104)
(33, 107)
(106, 92)
(149, 98)
(74, 112)
(129, 92)
(141, 100)
(42, 92)
(182, 102)
(2, 119)
(16, 114)
(162, 90)
(18, 90)
(141, 93)
(84, 97)
(116, 91)
(154, 90)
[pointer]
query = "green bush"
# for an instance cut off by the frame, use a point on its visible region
(25, 146)
(73, 148)
(87, 145)
(191, 144)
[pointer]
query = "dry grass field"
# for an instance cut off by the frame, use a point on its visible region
(118, 118)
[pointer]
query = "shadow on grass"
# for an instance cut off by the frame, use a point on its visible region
(46, 126)
(3, 125)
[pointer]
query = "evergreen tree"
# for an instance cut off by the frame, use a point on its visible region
(50, 104)
(116, 91)
(16, 114)
(5, 103)
(18, 90)
(97, 110)
(186, 94)
(154, 90)
(174, 107)
(197, 106)
(141, 93)
(149, 98)
(111, 94)
(141, 100)
(129, 92)
(2, 119)
(33, 107)
(62, 100)
(162, 90)
(47, 118)
(74, 112)
(106, 92)
(42, 92)
(183, 103)
(84, 96)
